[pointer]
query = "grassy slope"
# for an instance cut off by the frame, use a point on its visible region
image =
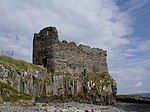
(17, 64)
(14, 94)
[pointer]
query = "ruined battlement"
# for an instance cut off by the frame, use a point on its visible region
(85, 48)
(48, 32)
(63, 56)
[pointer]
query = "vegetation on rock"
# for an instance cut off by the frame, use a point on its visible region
(17, 64)
(94, 88)
(10, 94)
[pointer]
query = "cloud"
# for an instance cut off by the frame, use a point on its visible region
(138, 85)
(132, 68)
(132, 5)
(98, 23)
(143, 45)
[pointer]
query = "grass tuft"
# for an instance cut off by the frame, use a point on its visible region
(14, 95)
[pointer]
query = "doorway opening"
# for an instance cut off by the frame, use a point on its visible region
(44, 61)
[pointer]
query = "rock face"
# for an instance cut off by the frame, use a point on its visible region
(29, 82)
(60, 87)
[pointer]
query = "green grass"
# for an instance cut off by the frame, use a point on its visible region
(17, 64)
(14, 94)
(103, 79)
(7, 86)
(100, 80)
(14, 98)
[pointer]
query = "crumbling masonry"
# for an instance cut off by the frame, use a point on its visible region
(65, 56)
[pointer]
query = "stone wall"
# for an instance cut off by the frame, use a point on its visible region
(66, 56)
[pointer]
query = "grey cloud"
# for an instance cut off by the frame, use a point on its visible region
(79, 21)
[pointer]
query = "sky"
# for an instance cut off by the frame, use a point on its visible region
(121, 27)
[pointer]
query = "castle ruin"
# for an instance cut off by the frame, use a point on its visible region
(65, 56)
(67, 72)
(77, 71)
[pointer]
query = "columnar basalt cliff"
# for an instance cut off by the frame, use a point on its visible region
(20, 80)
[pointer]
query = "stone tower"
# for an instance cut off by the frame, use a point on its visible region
(65, 56)
(43, 47)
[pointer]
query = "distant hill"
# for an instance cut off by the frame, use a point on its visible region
(133, 98)
(145, 94)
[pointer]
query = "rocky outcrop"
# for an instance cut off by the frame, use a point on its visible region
(133, 99)
(61, 87)
(24, 81)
